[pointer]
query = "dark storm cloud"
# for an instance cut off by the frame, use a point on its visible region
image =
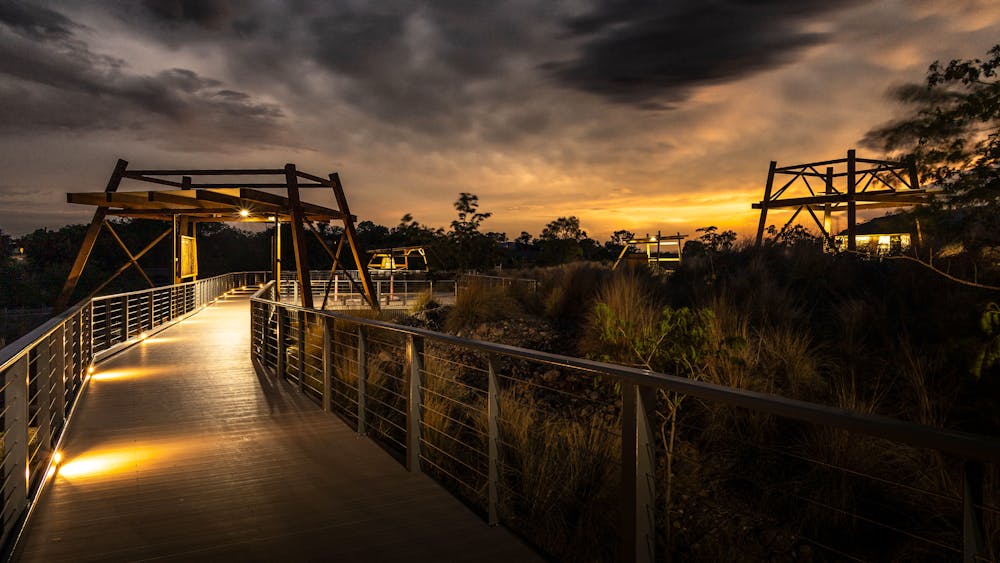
(435, 68)
(653, 54)
(210, 14)
(50, 79)
(34, 21)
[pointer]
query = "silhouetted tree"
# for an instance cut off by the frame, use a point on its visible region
(953, 128)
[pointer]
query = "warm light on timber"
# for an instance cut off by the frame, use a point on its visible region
(270, 218)
(244, 212)
(133, 458)
(120, 374)
(90, 370)
(143, 335)
(50, 472)
(57, 458)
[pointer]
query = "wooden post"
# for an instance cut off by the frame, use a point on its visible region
(914, 178)
(828, 207)
(352, 239)
(88, 240)
(414, 351)
(276, 264)
(764, 202)
(852, 206)
(299, 236)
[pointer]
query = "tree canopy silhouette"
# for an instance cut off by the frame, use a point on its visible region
(952, 130)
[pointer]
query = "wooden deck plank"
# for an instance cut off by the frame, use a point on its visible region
(179, 452)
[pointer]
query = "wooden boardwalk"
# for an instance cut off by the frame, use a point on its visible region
(179, 451)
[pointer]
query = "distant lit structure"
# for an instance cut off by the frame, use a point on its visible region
(878, 244)
(409, 258)
(657, 250)
(849, 184)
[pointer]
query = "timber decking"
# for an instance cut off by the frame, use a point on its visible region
(179, 451)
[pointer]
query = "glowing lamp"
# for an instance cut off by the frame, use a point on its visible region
(244, 212)
(90, 370)
(57, 458)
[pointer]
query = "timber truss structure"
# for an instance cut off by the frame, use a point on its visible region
(238, 197)
(846, 184)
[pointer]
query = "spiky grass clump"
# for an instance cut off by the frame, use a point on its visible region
(480, 304)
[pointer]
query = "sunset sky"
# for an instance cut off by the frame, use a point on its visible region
(638, 116)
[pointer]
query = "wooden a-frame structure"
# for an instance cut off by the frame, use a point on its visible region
(840, 185)
(185, 203)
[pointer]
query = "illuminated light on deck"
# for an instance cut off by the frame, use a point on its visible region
(244, 213)
(90, 370)
(115, 375)
(50, 472)
(143, 335)
(128, 458)
(57, 458)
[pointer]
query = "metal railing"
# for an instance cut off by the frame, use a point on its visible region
(43, 373)
(565, 451)
(521, 284)
(343, 293)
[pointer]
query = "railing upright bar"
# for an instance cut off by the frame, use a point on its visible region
(493, 415)
(972, 512)
(414, 350)
(637, 464)
(301, 346)
(16, 435)
(362, 378)
(44, 387)
(279, 353)
(327, 362)
(59, 400)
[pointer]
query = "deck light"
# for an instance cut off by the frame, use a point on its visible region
(90, 370)
(57, 458)
(244, 212)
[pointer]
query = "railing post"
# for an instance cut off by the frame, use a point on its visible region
(279, 353)
(125, 316)
(414, 350)
(16, 437)
(327, 362)
(44, 387)
(493, 415)
(301, 351)
(362, 378)
(637, 493)
(972, 512)
(152, 308)
(59, 401)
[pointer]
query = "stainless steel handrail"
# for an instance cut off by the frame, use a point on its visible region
(57, 357)
(280, 326)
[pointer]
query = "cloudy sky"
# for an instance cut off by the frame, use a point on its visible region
(634, 115)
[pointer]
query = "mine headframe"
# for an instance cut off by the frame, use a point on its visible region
(187, 197)
(830, 186)
(657, 250)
